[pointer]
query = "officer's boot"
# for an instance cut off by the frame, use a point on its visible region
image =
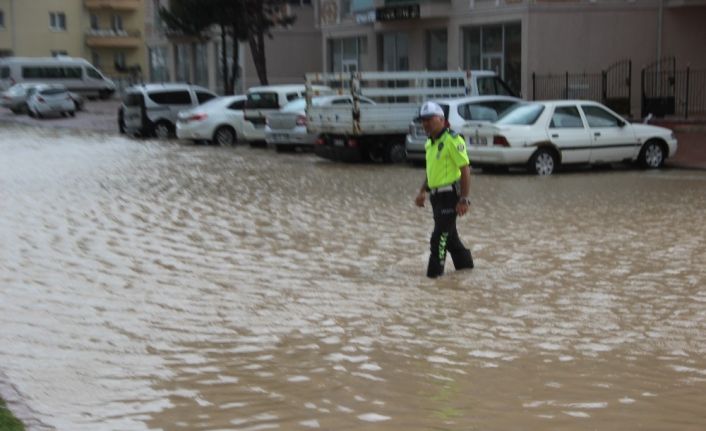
(435, 268)
(462, 259)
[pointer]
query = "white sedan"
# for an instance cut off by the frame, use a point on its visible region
(46, 100)
(457, 111)
(219, 120)
(286, 129)
(543, 135)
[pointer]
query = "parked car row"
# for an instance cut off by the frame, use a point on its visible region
(501, 131)
(41, 100)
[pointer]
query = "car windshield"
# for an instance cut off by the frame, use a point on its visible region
(521, 115)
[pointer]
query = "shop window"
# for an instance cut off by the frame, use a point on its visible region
(497, 48)
(436, 49)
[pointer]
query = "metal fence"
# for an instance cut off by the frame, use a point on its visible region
(611, 87)
(690, 93)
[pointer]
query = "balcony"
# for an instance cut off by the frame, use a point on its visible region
(124, 5)
(106, 38)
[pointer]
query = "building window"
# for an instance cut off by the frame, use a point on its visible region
(182, 61)
(497, 48)
(2, 19)
(56, 53)
(57, 21)
(344, 54)
(119, 60)
(94, 22)
(394, 52)
(436, 50)
(96, 59)
(201, 64)
(156, 18)
(117, 22)
(158, 65)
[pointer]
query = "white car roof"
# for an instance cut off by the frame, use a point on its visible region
(488, 98)
(286, 87)
(165, 86)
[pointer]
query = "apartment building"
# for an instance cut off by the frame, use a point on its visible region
(290, 53)
(109, 33)
(513, 37)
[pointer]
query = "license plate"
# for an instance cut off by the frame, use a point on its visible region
(280, 137)
(339, 143)
(480, 141)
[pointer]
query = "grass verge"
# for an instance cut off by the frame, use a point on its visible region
(8, 422)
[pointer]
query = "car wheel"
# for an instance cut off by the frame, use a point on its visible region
(16, 110)
(396, 153)
(652, 155)
(375, 153)
(72, 113)
(543, 162)
(163, 130)
(225, 136)
(31, 113)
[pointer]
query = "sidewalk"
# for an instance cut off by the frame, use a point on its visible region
(691, 136)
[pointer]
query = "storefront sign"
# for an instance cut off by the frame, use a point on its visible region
(397, 13)
(365, 17)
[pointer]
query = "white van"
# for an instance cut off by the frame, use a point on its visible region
(76, 74)
(153, 109)
(264, 100)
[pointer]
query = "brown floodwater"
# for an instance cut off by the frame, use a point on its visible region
(167, 286)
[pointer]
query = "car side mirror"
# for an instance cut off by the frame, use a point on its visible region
(622, 123)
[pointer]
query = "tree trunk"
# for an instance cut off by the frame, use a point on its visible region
(257, 47)
(227, 89)
(235, 75)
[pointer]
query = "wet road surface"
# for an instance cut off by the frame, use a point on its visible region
(148, 285)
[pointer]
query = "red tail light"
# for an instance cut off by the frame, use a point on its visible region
(500, 141)
(40, 99)
(353, 143)
(301, 120)
(197, 117)
(320, 141)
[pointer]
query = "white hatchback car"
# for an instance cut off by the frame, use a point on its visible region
(46, 100)
(543, 135)
(217, 120)
(457, 112)
(286, 129)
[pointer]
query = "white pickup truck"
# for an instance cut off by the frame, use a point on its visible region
(365, 132)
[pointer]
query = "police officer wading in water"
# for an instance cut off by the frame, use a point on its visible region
(448, 182)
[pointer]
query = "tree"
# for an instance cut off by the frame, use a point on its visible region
(242, 20)
(195, 19)
(262, 16)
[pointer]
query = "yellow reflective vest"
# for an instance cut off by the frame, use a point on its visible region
(445, 156)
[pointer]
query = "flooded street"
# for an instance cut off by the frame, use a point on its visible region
(166, 286)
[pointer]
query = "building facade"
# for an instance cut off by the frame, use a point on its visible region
(108, 33)
(513, 37)
(290, 53)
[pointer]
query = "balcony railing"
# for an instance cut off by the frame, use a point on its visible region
(108, 38)
(126, 5)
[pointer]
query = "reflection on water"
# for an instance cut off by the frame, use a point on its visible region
(150, 285)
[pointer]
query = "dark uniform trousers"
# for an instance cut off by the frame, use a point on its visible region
(445, 236)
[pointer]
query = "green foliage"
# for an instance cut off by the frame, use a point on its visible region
(7, 421)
